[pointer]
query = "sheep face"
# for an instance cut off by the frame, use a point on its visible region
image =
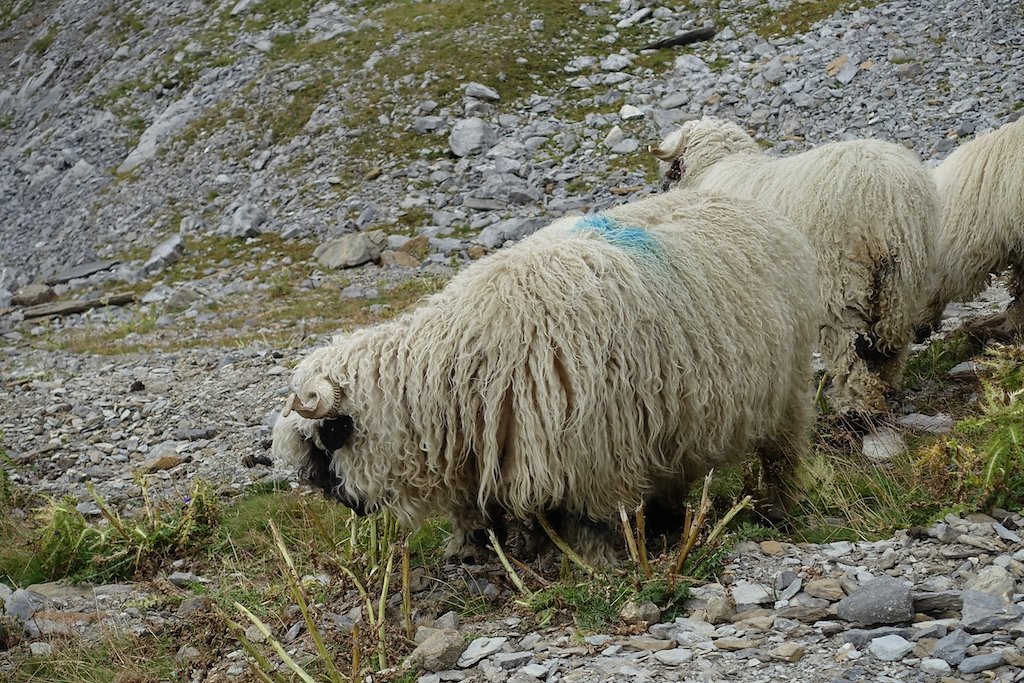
(314, 446)
(686, 153)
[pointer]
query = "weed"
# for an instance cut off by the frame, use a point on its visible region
(43, 43)
(71, 546)
(114, 657)
(934, 363)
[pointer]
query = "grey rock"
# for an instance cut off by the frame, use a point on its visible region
(245, 221)
(935, 666)
(884, 600)
(482, 92)
(968, 368)
(747, 593)
(479, 649)
(674, 657)
(22, 604)
(351, 250)
(81, 271)
(952, 648)
(427, 124)
(512, 660)
(883, 445)
(890, 648)
(182, 579)
(33, 295)
(979, 663)
(938, 602)
(929, 424)
(992, 580)
(175, 117)
(438, 652)
(984, 613)
(495, 235)
(163, 255)
(859, 637)
(639, 613)
(471, 136)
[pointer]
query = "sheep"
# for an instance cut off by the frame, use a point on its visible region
(869, 209)
(981, 189)
(602, 360)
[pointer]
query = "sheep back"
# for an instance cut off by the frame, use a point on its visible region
(981, 190)
(576, 368)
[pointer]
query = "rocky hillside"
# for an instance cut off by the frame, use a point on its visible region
(192, 192)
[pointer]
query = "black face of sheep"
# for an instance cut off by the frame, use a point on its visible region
(332, 434)
(675, 171)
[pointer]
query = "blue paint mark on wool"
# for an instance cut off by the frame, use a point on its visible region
(628, 237)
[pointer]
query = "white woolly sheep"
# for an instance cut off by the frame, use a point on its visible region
(981, 189)
(869, 209)
(600, 361)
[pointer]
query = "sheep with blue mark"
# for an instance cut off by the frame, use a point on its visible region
(601, 361)
(870, 210)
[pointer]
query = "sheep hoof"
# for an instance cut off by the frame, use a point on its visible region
(468, 548)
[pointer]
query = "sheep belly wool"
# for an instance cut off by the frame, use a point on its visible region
(981, 188)
(601, 361)
(870, 211)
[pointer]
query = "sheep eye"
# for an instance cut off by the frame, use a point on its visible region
(335, 432)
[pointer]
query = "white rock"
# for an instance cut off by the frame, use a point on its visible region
(674, 657)
(629, 112)
(480, 648)
(890, 648)
(883, 445)
(747, 593)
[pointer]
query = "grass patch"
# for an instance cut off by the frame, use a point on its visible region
(934, 363)
(40, 45)
(119, 657)
(799, 16)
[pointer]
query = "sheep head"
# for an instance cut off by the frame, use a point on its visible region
(696, 146)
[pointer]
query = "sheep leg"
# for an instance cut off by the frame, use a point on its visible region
(594, 541)
(468, 542)
(779, 457)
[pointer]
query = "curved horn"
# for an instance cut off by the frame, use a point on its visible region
(662, 153)
(322, 399)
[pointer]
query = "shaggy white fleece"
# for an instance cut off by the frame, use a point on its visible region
(598, 362)
(870, 210)
(981, 187)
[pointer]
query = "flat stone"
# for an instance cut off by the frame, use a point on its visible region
(859, 637)
(176, 116)
(22, 604)
(33, 295)
(482, 92)
(938, 602)
(674, 657)
(512, 660)
(883, 445)
(81, 271)
(772, 548)
(479, 649)
(979, 663)
(883, 600)
(734, 644)
(827, 589)
(787, 652)
(964, 370)
(890, 648)
(984, 613)
(747, 593)
(935, 666)
(992, 580)
(440, 651)
(645, 643)
(928, 424)
(640, 613)
(952, 648)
